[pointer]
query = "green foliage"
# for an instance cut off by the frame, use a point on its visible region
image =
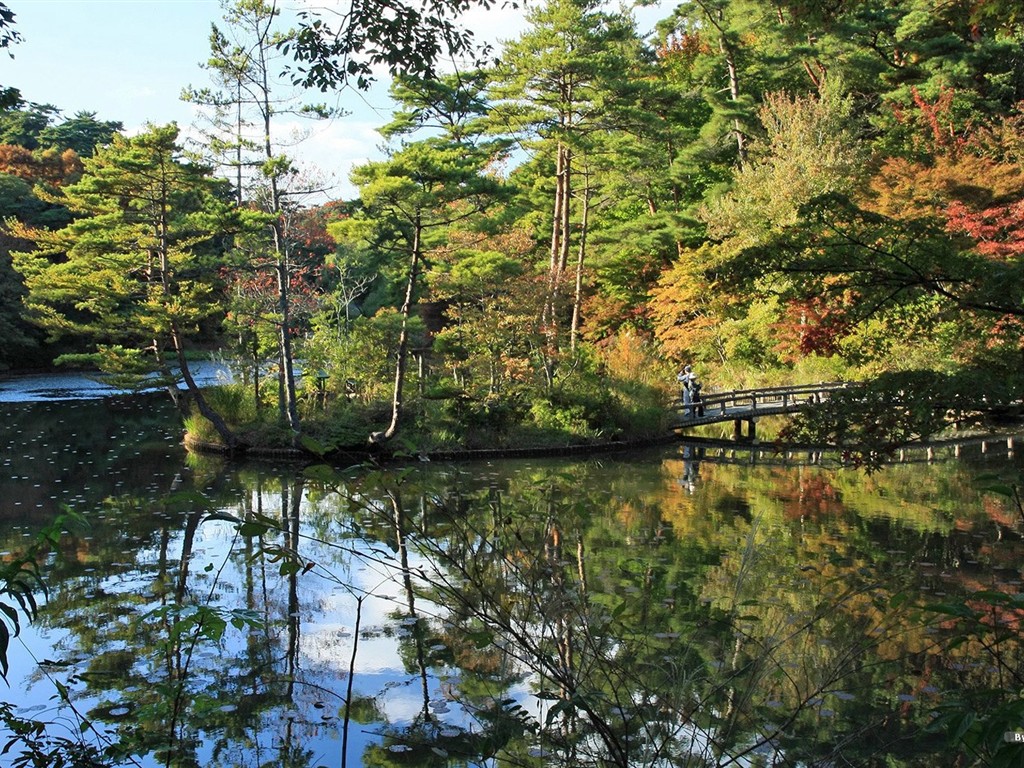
(136, 262)
(23, 126)
(405, 39)
(362, 361)
(31, 745)
(871, 421)
(566, 420)
(82, 133)
(21, 581)
(30, 742)
(199, 623)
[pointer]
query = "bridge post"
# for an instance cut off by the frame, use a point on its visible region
(737, 429)
(751, 429)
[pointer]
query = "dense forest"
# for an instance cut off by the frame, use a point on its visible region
(771, 190)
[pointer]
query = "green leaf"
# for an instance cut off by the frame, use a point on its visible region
(314, 446)
(321, 473)
(952, 609)
(562, 706)
(252, 529)
(62, 690)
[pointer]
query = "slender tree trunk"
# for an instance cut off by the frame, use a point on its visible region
(239, 198)
(291, 504)
(285, 340)
(559, 256)
(403, 338)
(231, 442)
(556, 218)
(563, 256)
(282, 265)
(734, 95)
(256, 373)
(577, 300)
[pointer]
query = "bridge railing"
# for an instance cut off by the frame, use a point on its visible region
(766, 397)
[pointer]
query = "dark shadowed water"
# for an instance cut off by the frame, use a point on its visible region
(681, 606)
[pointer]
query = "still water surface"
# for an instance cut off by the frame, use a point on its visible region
(670, 607)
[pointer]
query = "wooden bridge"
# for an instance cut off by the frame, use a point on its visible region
(746, 405)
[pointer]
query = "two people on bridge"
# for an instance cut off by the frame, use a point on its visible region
(693, 405)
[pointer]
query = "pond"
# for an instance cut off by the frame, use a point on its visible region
(685, 605)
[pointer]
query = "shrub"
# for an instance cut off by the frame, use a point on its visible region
(564, 418)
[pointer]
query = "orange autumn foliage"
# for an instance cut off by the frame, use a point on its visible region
(48, 165)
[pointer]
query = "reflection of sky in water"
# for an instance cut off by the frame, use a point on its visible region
(85, 386)
(117, 460)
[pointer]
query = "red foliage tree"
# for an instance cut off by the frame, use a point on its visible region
(811, 327)
(997, 230)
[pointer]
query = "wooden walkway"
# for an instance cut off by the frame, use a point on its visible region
(747, 405)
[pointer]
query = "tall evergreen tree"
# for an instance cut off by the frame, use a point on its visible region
(135, 272)
(554, 89)
(408, 203)
(248, 99)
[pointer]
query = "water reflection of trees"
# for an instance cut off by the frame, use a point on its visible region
(180, 654)
(613, 639)
(571, 615)
(763, 640)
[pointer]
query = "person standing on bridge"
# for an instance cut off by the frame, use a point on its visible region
(695, 398)
(686, 378)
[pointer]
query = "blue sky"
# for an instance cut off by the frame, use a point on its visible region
(128, 60)
(125, 60)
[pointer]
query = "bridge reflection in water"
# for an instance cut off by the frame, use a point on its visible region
(697, 450)
(720, 451)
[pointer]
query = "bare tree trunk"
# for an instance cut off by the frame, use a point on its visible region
(577, 300)
(559, 258)
(734, 95)
(563, 255)
(287, 363)
(556, 218)
(231, 441)
(403, 339)
(280, 249)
